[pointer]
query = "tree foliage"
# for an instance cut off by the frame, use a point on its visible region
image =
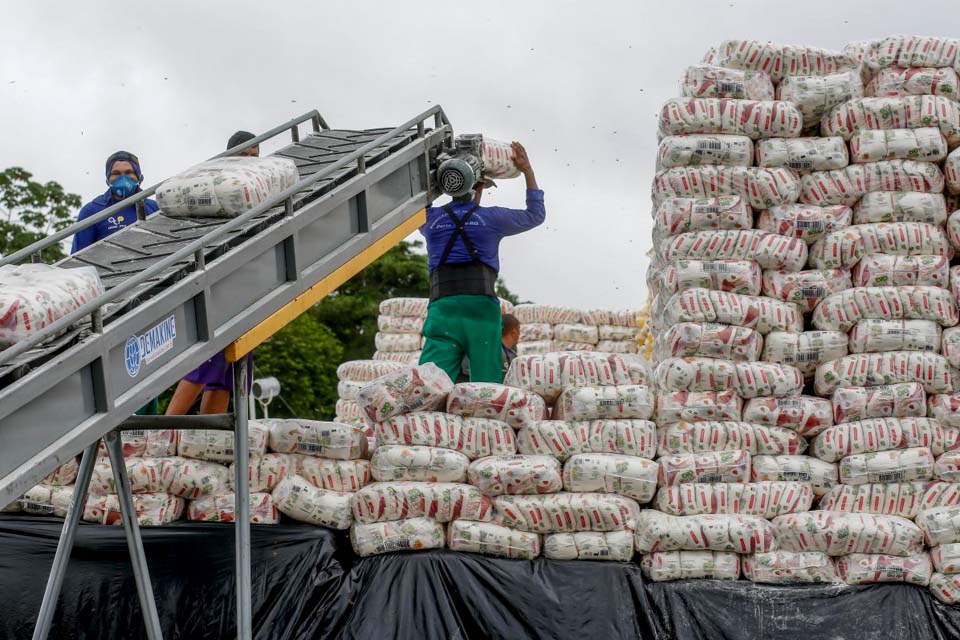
(30, 211)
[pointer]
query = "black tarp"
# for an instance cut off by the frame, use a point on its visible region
(308, 585)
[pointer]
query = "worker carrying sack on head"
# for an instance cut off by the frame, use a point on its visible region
(463, 242)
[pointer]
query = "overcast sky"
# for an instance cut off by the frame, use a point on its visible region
(579, 83)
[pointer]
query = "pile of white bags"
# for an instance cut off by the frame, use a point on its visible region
(548, 328)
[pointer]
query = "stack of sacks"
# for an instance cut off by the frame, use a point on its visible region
(52, 496)
(399, 335)
(547, 328)
(939, 519)
(352, 376)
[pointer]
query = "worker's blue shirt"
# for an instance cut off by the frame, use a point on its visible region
(86, 237)
(485, 228)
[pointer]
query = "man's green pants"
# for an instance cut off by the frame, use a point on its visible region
(465, 325)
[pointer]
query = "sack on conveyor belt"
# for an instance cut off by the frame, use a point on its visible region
(899, 271)
(754, 312)
(748, 379)
(764, 499)
(865, 436)
(563, 439)
(398, 342)
(713, 466)
(549, 374)
(34, 296)
(782, 61)
(621, 402)
(807, 415)
(680, 215)
(790, 567)
(474, 437)
(223, 509)
(711, 340)
(616, 546)
(709, 81)
(694, 406)
(805, 351)
(926, 144)
(415, 534)
(546, 313)
(752, 118)
(408, 307)
(908, 112)
(567, 512)
(492, 539)
(803, 154)
(837, 249)
(514, 406)
(762, 187)
(536, 331)
(416, 388)
(322, 439)
(841, 311)
(424, 464)
(846, 186)
(705, 149)
(734, 276)
(63, 475)
(840, 534)
(300, 500)
(902, 499)
(629, 476)
(945, 408)
(946, 558)
(876, 336)
(441, 501)
(499, 475)
(400, 324)
(686, 565)
(902, 400)
(868, 568)
(911, 51)
(47, 500)
(701, 437)
(217, 446)
(366, 370)
(333, 475)
(497, 159)
(899, 465)
(805, 222)
(940, 525)
(815, 95)
(658, 531)
(874, 369)
(786, 468)
(576, 333)
(898, 206)
(226, 187)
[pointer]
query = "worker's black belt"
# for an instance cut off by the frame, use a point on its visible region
(465, 279)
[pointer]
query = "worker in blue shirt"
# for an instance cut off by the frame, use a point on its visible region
(463, 242)
(123, 178)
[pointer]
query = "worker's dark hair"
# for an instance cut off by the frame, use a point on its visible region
(239, 138)
(510, 323)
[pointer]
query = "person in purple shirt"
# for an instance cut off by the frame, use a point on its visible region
(463, 251)
(123, 178)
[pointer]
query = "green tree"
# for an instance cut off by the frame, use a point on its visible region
(30, 211)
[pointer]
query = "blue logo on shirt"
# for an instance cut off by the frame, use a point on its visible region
(150, 345)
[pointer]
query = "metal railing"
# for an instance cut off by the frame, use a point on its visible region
(195, 248)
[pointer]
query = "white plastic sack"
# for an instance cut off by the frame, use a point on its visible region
(194, 479)
(929, 433)
(152, 509)
(410, 307)
(616, 546)
(846, 186)
(514, 406)
(63, 475)
(415, 534)
(686, 565)
(403, 357)
(217, 446)
(782, 61)
(881, 270)
(545, 313)
(492, 539)
(536, 347)
(474, 437)
(576, 333)
(842, 248)
(703, 468)
(863, 568)
(300, 500)
(839, 534)
(926, 144)
(911, 51)
(416, 388)
(754, 312)
(333, 475)
(610, 333)
(873, 369)
(940, 525)
(399, 324)
(549, 374)
(322, 439)
(762, 187)
(945, 408)
(679, 215)
(804, 351)
(146, 475)
(698, 339)
(398, 342)
(807, 415)
(946, 558)
(841, 311)
(902, 499)
(47, 500)
(567, 512)
(865, 436)
(764, 499)
(945, 588)
(897, 465)
(535, 331)
(755, 119)
(816, 95)
(909, 112)
(416, 463)
(902, 400)
(734, 276)
(497, 159)
(441, 501)
(629, 476)
(615, 317)
(900, 206)
(563, 439)
(621, 402)
(904, 239)
(951, 170)
(705, 149)
(874, 336)
(658, 531)
(940, 493)
(748, 379)
(803, 154)
(795, 468)
(226, 187)
(806, 222)
(223, 509)
(693, 406)
(366, 370)
(516, 474)
(701, 437)
(709, 81)
(790, 567)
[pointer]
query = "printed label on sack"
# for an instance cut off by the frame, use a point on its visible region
(808, 356)
(709, 145)
(730, 87)
(795, 476)
(199, 201)
(889, 570)
(886, 476)
(800, 165)
(813, 292)
(393, 545)
(706, 208)
(610, 403)
(710, 478)
(789, 403)
(716, 267)
(149, 345)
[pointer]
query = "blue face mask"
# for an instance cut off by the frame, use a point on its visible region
(124, 187)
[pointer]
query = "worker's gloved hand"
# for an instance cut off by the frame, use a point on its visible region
(520, 158)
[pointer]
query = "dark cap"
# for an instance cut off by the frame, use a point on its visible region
(123, 156)
(239, 138)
